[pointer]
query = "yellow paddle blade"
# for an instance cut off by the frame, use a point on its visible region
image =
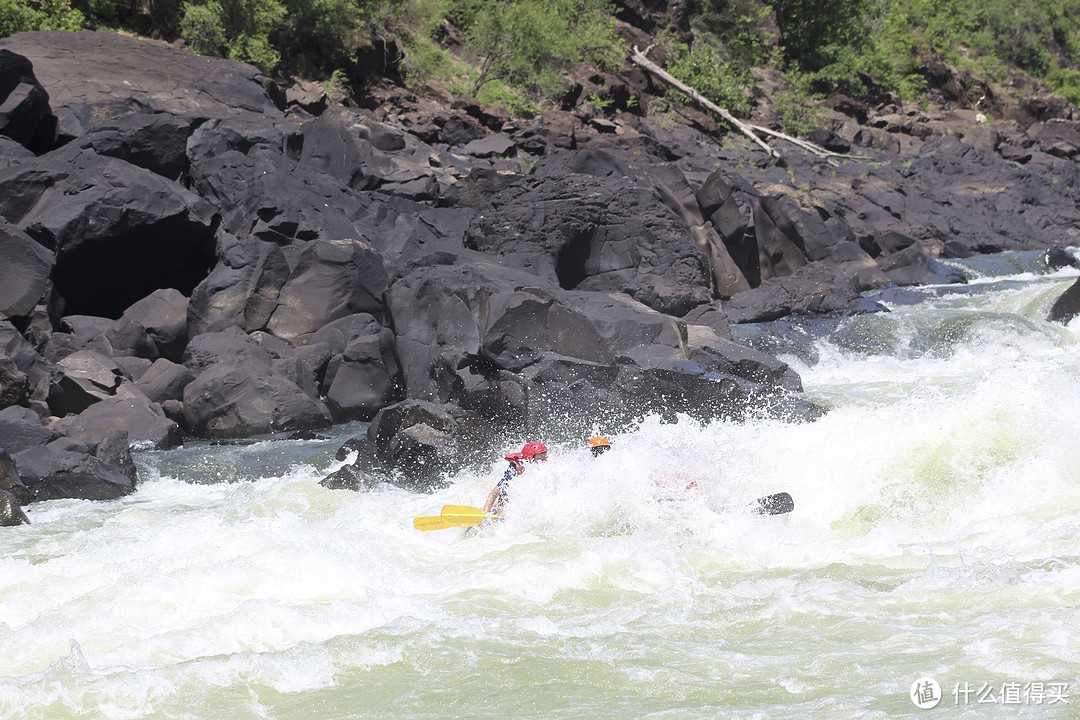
(461, 510)
(463, 515)
(430, 522)
(452, 516)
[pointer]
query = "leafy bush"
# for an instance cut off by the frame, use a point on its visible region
(740, 29)
(889, 38)
(703, 67)
(799, 114)
(202, 28)
(813, 31)
(531, 43)
(495, 93)
(238, 29)
(1066, 82)
(24, 15)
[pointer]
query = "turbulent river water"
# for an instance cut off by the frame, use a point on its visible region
(933, 556)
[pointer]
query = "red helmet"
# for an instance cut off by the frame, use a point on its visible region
(531, 450)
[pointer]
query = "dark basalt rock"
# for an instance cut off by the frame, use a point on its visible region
(94, 76)
(53, 474)
(10, 480)
(27, 266)
(303, 269)
(156, 142)
(330, 280)
(128, 410)
(1067, 305)
(232, 345)
(119, 232)
(162, 318)
(14, 384)
(602, 234)
(814, 289)
(12, 493)
(242, 289)
(164, 380)
(21, 429)
(25, 115)
(234, 399)
(416, 444)
(11, 513)
(488, 349)
(364, 377)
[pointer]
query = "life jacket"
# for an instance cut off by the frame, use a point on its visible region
(517, 467)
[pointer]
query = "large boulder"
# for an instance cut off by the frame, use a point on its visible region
(241, 399)
(94, 76)
(163, 317)
(270, 196)
(11, 513)
(816, 288)
(25, 115)
(129, 410)
(242, 289)
(368, 155)
(416, 445)
(51, 474)
(337, 334)
(119, 232)
(364, 378)
(10, 481)
(331, 279)
(99, 376)
(21, 429)
(157, 142)
(611, 234)
(307, 367)
(14, 384)
(912, 266)
(231, 345)
(26, 266)
(11, 490)
(31, 371)
(165, 380)
(503, 344)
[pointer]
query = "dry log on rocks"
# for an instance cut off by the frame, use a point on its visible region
(751, 131)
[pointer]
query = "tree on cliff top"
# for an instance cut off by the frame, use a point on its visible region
(532, 43)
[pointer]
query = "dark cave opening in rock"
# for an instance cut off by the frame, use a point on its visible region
(107, 278)
(571, 261)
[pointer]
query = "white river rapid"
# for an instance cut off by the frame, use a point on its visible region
(933, 554)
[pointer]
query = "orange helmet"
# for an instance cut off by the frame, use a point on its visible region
(599, 445)
(531, 450)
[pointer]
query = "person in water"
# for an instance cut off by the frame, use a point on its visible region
(599, 445)
(497, 498)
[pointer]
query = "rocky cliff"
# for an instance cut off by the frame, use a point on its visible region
(188, 250)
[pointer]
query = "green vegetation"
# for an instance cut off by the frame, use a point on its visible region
(836, 39)
(531, 43)
(705, 67)
(520, 53)
(20, 16)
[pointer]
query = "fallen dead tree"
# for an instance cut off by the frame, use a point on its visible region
(751, 131)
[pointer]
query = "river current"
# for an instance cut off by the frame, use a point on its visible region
(933, 558)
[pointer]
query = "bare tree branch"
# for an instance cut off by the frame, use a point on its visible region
(750, 131)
